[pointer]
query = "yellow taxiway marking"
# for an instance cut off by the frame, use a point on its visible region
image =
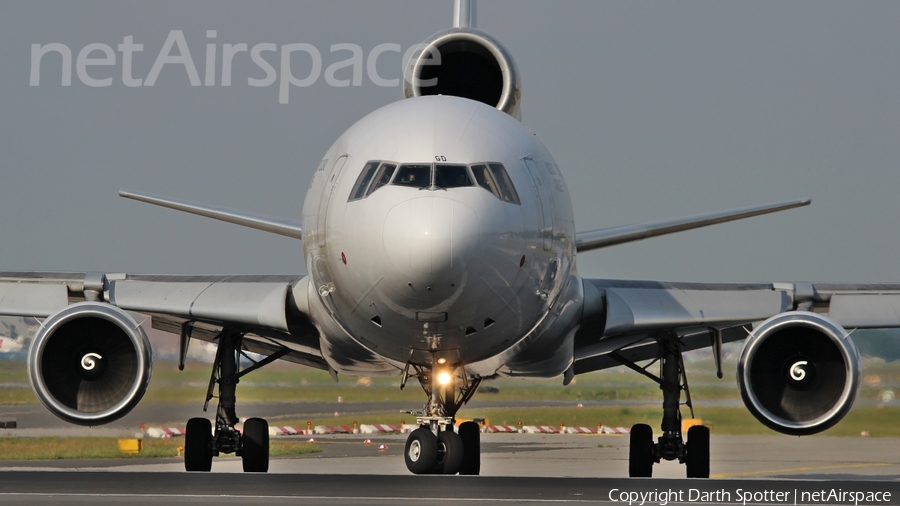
(799, 469)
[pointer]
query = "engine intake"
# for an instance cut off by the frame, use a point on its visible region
(90, 363)
(463, 62)
(799, 373)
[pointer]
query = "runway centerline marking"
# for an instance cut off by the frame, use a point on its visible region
(796, 469)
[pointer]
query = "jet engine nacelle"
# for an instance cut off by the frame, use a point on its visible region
(90, 363)
(799, 373)
(464, 62)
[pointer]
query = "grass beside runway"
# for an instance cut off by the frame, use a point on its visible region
(58, 448)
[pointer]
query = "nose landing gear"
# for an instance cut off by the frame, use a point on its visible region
(434, 448)
(643, 452)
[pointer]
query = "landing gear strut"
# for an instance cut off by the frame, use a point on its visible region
(643, 452)
(434, 448)
(202, 443)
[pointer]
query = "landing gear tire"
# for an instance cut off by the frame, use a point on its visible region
(421, 451)
(640, 456)
(470, 434)
(697, 458)
(255, 446)
(450, 453)
(198, 445)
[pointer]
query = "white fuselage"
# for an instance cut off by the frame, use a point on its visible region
(410, 273)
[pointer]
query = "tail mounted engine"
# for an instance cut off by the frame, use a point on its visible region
(799, 373)
(464, 62)
(90, 363)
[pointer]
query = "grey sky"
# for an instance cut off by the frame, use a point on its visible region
(652, 110)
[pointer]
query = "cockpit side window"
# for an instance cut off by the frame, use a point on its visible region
(382, 177)
(451, 176)
(504, 184)
(413, 175)
(484, 179)
(362, 182)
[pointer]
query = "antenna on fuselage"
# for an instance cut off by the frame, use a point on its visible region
(464, 14)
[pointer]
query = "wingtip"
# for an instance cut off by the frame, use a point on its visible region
(130, 195)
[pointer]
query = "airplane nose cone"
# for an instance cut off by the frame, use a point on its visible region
(431, 237)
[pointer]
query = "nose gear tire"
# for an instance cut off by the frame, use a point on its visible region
(421, 451)
(450, 459)
(470, 434)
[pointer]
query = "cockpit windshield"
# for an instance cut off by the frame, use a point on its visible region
(440, 176)
(414, 175)
(451, 176)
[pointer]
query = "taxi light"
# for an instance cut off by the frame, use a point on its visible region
(444, 378)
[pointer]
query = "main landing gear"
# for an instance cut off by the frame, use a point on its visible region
(643, 452)
(434, 447)
(201, 442)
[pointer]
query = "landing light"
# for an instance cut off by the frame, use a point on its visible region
(444, 378)
(442, 361)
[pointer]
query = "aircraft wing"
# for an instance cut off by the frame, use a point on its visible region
(621, 317)
(270, 311)
(606, 237)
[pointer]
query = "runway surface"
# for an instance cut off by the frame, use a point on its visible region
(182, 488)
(516, 469)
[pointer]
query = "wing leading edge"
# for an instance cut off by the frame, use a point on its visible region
(280, 226)
(605, 237)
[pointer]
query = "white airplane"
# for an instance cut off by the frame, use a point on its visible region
(440, 244)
